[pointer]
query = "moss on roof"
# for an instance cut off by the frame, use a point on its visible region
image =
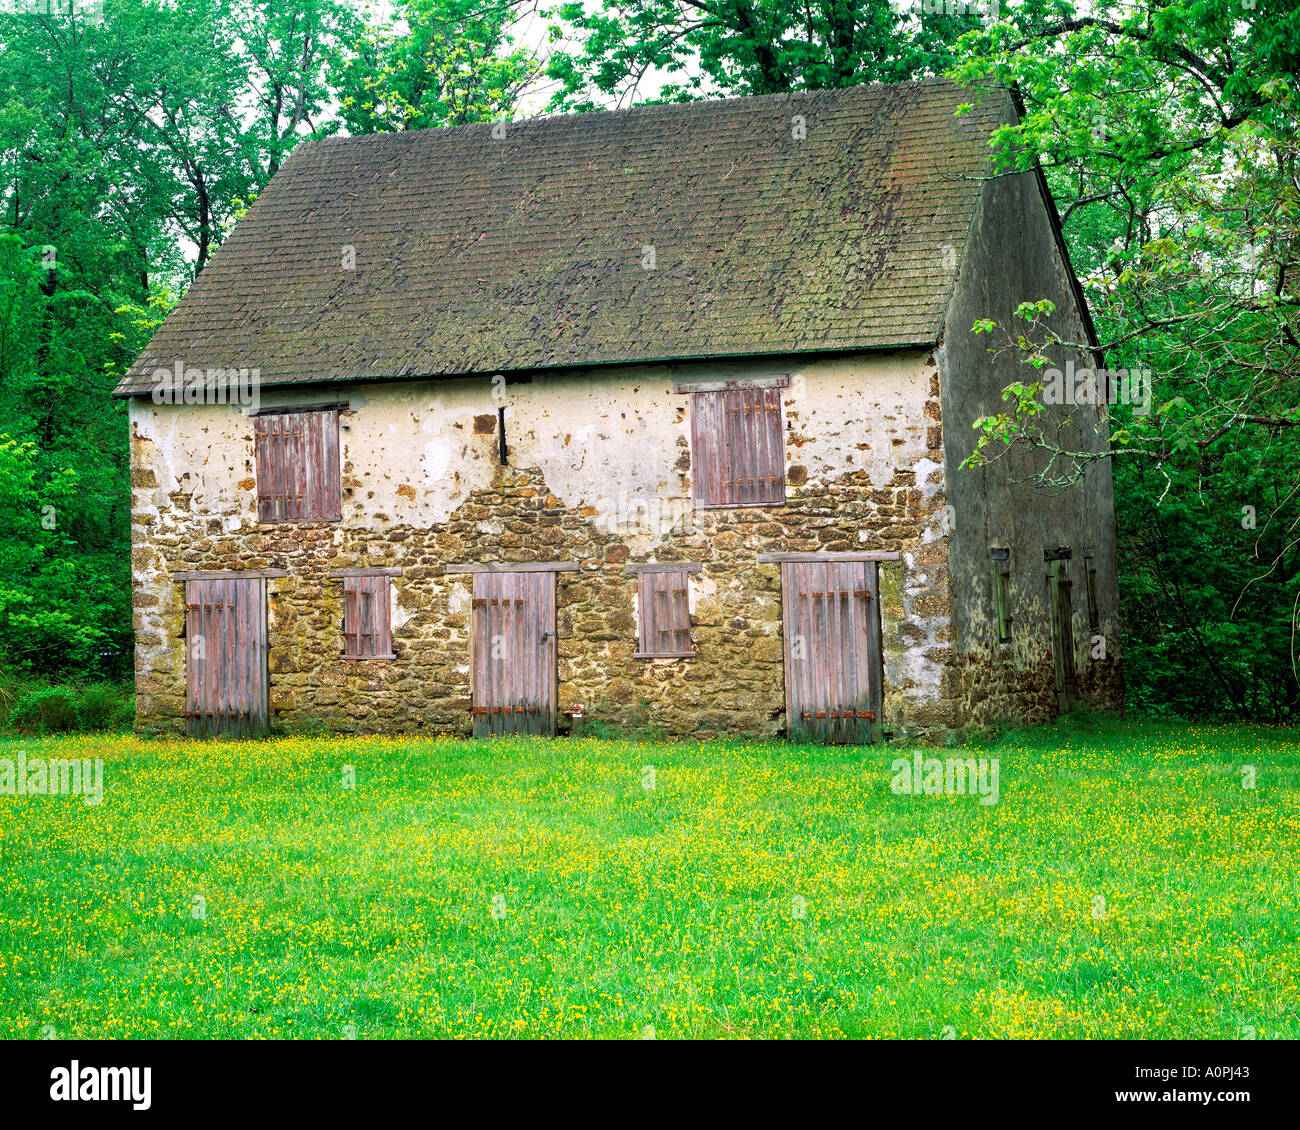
(477, 253)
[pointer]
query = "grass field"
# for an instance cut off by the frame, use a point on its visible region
(1126, 884)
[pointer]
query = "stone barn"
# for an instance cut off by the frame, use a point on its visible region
(652, 417)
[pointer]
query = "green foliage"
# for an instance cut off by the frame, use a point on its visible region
(51, 710)
(35, 706)
(105, 706)
(1170, 135)
(444, 63)
(714, 47)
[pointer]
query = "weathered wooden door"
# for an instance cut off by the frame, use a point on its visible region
(225, 656)
(1059, 598)
(833, 673)
(513, 661)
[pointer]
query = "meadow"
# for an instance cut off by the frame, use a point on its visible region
(1127, 884)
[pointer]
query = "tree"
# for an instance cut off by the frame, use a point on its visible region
(443, 63)
(698, 48)
(1169, 133)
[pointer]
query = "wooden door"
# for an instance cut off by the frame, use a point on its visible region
(225, 656)
(512, 666)
(833, 674)
(1060, 601)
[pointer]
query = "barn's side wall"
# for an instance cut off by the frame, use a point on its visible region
(1011, 257)
(599, 472)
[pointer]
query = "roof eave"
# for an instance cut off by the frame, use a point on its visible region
(576, 366)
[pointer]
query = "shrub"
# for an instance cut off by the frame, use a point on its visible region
(47, 710)
(103, 706)
(34, 706)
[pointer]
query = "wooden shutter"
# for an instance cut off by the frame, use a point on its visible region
(738, 447)
(1059, 600)
(663, 599)
(226, 675)
(1002, 592)
(513, 663)
(367, 621)
(298, 477)
(833, 676)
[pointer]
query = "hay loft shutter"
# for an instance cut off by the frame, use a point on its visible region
(737, 447)
(298, 477)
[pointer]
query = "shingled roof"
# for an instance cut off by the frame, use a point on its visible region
(478, 254)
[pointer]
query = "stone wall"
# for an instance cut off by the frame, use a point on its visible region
(1013, 256)
(599, 472)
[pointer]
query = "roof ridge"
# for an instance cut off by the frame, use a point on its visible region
(697, 104)
(714, 228)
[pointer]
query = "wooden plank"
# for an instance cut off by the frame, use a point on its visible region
(261, 456)
(520, 649)
(548, 707)
(478, 656)
(873, 555)
(788, 634)
(681, 613)
(282, 409)
(279, 461)
(707, 439)
(522, 567)
(732, 385)
(383, 595)
(229, 574)
(664, 567)
(331, 465)
(875, 654)
(239, 662)
(773, 424)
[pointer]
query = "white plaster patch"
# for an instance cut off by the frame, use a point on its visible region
(923, 469)
(459, 598)
(850, 410)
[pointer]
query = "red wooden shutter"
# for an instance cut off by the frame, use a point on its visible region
(833, 674)
(738, 447)
(226, 679)
(513, 664)
(298, 478)
(367, 620)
